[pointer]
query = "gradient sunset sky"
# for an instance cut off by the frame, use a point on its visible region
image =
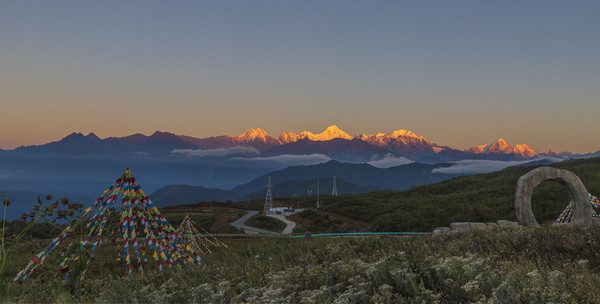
(460, 73)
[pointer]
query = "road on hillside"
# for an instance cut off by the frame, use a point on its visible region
(240, 223)
(290, 225)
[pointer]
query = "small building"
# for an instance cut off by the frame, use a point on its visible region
(285, 211)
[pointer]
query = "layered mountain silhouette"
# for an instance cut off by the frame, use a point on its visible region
(302, 180)
(332, 142)
(394, 178)
(171, 195)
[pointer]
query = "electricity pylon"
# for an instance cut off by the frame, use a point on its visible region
(268, 199)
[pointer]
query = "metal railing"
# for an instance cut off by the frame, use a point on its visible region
(361, 234)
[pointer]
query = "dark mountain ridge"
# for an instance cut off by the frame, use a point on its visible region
(394, 178)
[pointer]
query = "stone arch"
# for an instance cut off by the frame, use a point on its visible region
(582, 209)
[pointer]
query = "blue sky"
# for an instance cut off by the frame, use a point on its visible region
(460, 73)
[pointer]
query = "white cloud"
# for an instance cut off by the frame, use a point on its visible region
(474, 166)
(216, 152)
(390, 160)
(289, 159)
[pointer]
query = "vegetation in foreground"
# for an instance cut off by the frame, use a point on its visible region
(548, 264)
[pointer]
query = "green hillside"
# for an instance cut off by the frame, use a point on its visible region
(480, 197)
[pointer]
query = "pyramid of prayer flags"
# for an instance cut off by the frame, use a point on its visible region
(566, 215)
(137, 226)
(195, 241)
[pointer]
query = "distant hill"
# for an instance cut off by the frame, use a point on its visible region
(477, 198)
(184, 194)
(161, 143)
(395, 178)
(295, 188)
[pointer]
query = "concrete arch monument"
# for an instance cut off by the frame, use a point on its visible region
(582, 209)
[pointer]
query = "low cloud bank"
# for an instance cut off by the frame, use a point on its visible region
(216, 152)
(291, 160)
(474, 166)
(390, 160)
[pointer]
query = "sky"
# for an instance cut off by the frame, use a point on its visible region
(459, 73)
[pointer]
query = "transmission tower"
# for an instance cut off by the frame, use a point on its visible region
(334, 191)
(268, 199)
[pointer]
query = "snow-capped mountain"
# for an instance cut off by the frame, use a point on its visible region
(332, 142)
(255, 138)
(330, 133)
(502, 147)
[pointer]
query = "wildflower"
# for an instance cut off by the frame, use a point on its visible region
(55, 205)
(48, 197)
(71, 212)
(31, 214)
(6, 203)
(50, 212)
(64, 200)
(36, 208)
(24, 216)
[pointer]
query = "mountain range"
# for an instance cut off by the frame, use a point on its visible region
(332, 142)
(80, 166)
(183, 194)
(302, 180)
(296, 181)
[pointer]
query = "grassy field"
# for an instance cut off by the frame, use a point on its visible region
(548, 264)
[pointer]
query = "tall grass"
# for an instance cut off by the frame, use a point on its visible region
(548, 264)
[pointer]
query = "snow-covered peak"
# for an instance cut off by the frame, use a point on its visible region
(499, 146)
(363, 137)
(405, 133)
(502, 147)
(477, 149)
(333, 132)
(288, 137)
(254, 134)
(330, 133)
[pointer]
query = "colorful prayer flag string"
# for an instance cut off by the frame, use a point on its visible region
(134, 219)
(565, 216)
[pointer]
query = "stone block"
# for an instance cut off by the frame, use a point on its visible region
(441, 230)
(437, 232)
(491, 226)
(478, 226)
(461, 227)
(507, 224)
